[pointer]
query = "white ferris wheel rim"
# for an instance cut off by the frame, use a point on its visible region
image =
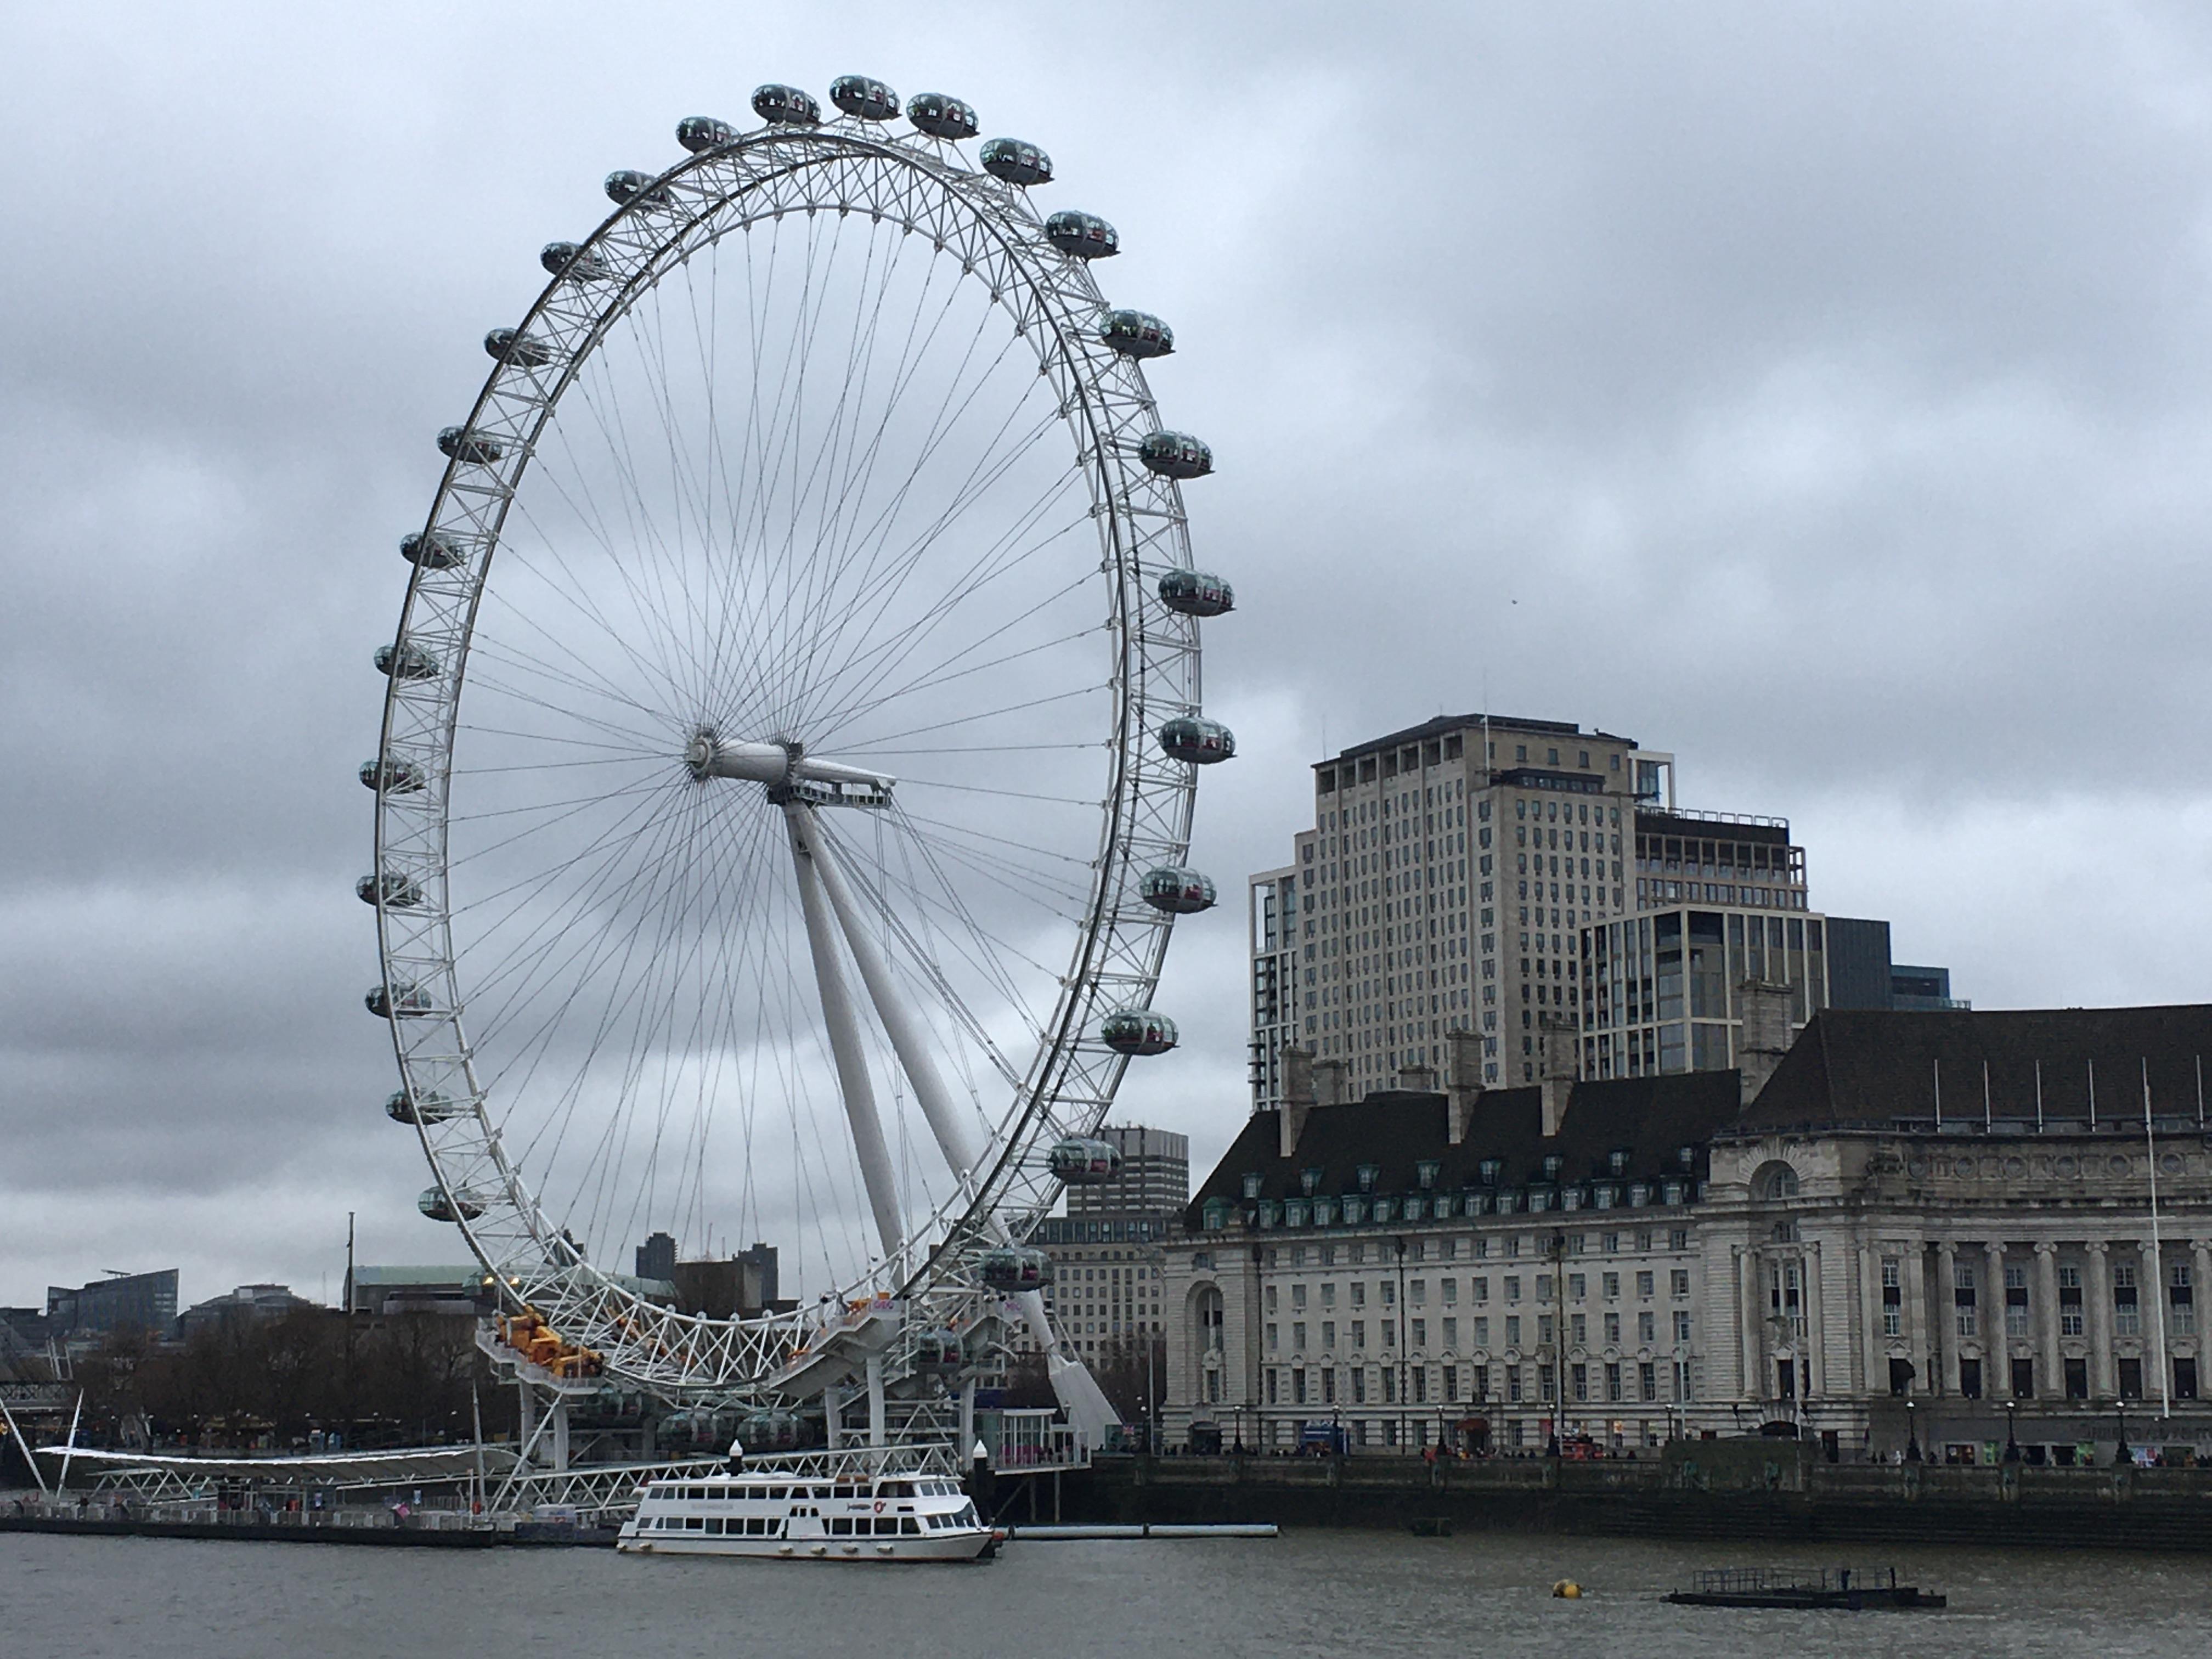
(989, 227)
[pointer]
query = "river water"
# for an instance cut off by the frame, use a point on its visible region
(1375, 1595)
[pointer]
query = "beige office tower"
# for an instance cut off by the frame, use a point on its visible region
(1443, 887)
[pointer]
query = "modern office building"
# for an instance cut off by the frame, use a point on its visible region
(1155, 1177)
(144, 1302)
(1106, 1250)
(1862, 975)
(1692, 987)
(1923, 990)
(1442, 888)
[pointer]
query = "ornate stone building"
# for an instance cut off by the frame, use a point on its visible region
(1933, 1232)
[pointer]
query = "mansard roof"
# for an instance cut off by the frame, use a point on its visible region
(1878, 1068)
(1650, 1118)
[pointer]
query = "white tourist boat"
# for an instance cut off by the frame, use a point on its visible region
(832, 1506)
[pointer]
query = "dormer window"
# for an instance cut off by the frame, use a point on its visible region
(1310, 1181)
(1553, 1164)
(1425, 1173)
(1489, 1169)
(1616, 1161)
(1252, 1183)
(1216, 1214)
(1686, 1158)
(1368, 1174)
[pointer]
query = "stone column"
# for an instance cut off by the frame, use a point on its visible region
(1815, 1359)
(2104, 1375)
(1996, 1346)
(1748, 1383)
(1873, 1346)
(2199, 1303)
(1943, 1329)
(1914, 1271)
(2052, 1385)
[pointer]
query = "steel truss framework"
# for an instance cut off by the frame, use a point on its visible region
(920, 186)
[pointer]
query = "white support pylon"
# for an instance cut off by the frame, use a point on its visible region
(1077, 1390)
(844, 1027)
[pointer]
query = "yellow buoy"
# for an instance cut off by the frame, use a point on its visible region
(1567, 1591)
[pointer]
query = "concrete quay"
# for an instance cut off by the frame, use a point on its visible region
(1770, 1491)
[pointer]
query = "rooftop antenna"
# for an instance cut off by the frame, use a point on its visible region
(2038, 1096)
(1939, 1095)
(1985, 1096)
(2093, 1091)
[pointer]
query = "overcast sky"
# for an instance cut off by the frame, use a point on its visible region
(1820, 393)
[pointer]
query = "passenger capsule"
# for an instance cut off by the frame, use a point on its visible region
(770, 1431)
(938, 1352)
(1137, 1032)
(941, 116)
(1080, 1161)
(510, 345)
(566, 259)
(409, 662)
(1178, 892)
(423, 1108)
(628, 184)
(1176, 455)
(1200, 742)
(1085, 235)
(863, 99)
(1136, 334)
(470, 448)
(700, 133)
(463, 1206)
(394, 777)
(1013, 1268)
(405, 1000)
(396, 891)
(434, 551)
(786, 106)
(1197, 593)
(1017, 162)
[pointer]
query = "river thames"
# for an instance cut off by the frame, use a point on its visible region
(1378, 1595)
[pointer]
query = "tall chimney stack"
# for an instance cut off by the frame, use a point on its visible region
(1559, 1038)
(1463, 1083)
(1297, 1096)
(1765, 1007)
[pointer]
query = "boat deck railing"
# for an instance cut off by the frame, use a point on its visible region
(1764, 1581)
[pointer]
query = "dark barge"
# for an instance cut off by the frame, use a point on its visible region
(1848, 1589)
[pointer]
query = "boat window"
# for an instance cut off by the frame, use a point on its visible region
(714, 1526)
(695, 1523)
(910, 1527)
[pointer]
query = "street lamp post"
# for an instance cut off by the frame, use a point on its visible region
(1911, 1431)
(2012, 1436)
(2120, 1451)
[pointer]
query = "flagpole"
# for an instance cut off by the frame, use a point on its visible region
(2157, 1259)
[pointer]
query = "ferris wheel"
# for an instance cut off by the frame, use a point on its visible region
(788, 752)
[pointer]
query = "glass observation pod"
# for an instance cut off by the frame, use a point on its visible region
(1081, 1161)
(394, 777)
(404, 1000)
(1085, 235)
(940, 116)
(1137, 1032)
(394, 890)
(510, 345)
(1017, 162)
(1013, 1268)
(424, 1108)
(1136, 334)
(938, 1352)
(773, 1431)
(566, 259)
(626, 184)
(408, 661)
(432, 552)
(780, 106)
(1178, 892)
(863, 99)
(464, 1207)
(473, 448)
(1197, 593)
(1202, 742)
(700, 133)
(1176, 455)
